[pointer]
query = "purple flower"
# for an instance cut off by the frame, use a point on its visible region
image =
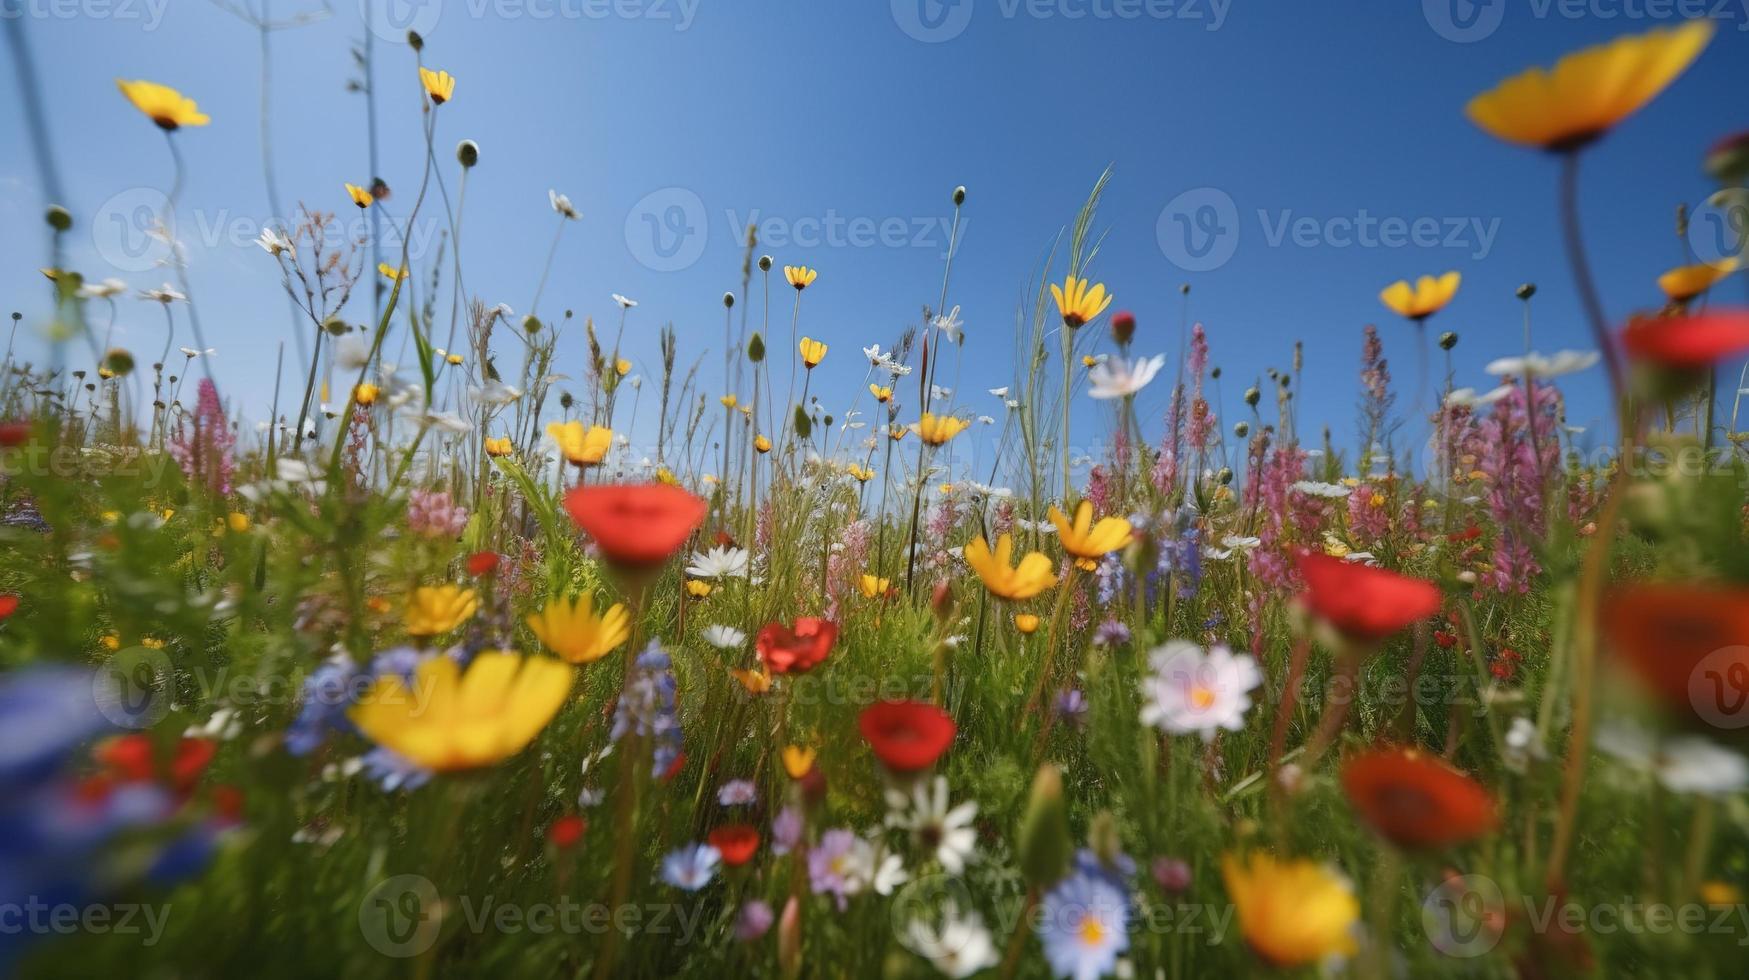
(737, 792)
(1111, 633)
(434, 514)
(646, 707)
(1171, 874)
(206, 453)
(786, 830)
(1072, 706)
(831, 868)
(753, 921)
(1082, 926)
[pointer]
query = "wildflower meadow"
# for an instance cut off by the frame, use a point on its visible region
(541, 639)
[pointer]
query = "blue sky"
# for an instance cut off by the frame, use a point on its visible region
(871, 113)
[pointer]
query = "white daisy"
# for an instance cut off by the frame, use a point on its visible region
(719, 562)
(960, 948)
(1193, 691)
(562, 204)
(724, 637)
(1536, 365)
(1117, 378)
(944, 832)
(624, 303)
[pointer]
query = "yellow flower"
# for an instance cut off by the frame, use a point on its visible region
(1588, 92)
(863, 474)
(1720, 893)
(366, 393)
(622, 367)
(1291, 912)
(360, 196)
(946, 489)
(729, 401)
(813, 352)
(499, 447)
(1088, 360)
(1335, 548)
(882, 395)
(572, 629)
(666, 475)
(391, 273)
(797, 760)
(800, 276)
(445, 720)
(1686, 282)
(440, 85)
(1084, 538)
(938, 429)
(151, 643)
(170, 109)
(434, 609)
(1420, 301)
(1033, 575)
(1026, 623)
(697, 589)
(581, 446)
(897, 432)
(112, 642)
(756, 681)
(872, 586)
(237, 521)
(454, 359)
(762, 443)
(1077, 302)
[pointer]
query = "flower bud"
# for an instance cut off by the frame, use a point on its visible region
(804, 426)
(1525, 291)
(415, 41)
(1225, 476)
(531, 324)
(1123, 327)
(1241, 429)
(789, 938)
(1253, 396)
(959, 195)
(765, 263)
(756, 349)
(1044, 830)
(1103, 839)
(1447, 340)
(1172, 875)
(941, 601)
(728, 300)
(59, 218)
(467, 152)
(1728, 161)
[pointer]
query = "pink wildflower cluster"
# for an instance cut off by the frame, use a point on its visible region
(1521, 459)
(205, 448)
(434, 514)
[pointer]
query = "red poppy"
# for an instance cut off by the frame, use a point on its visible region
(1687, 643)
(1362, 602)
(127, 757)
(192, 757)
(8, 606)
(566, 831)
(228, 804)
(1470, 533)
(796, 651)
(1417, 800)
(636, 524)
(14, 434)
(482, 563)
(906, 735)
(1690, 342)
(735, 842)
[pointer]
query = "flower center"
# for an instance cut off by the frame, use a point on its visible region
(1091, 932)
(1202, 697)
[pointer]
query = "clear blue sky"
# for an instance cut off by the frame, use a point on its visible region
(805, 110)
